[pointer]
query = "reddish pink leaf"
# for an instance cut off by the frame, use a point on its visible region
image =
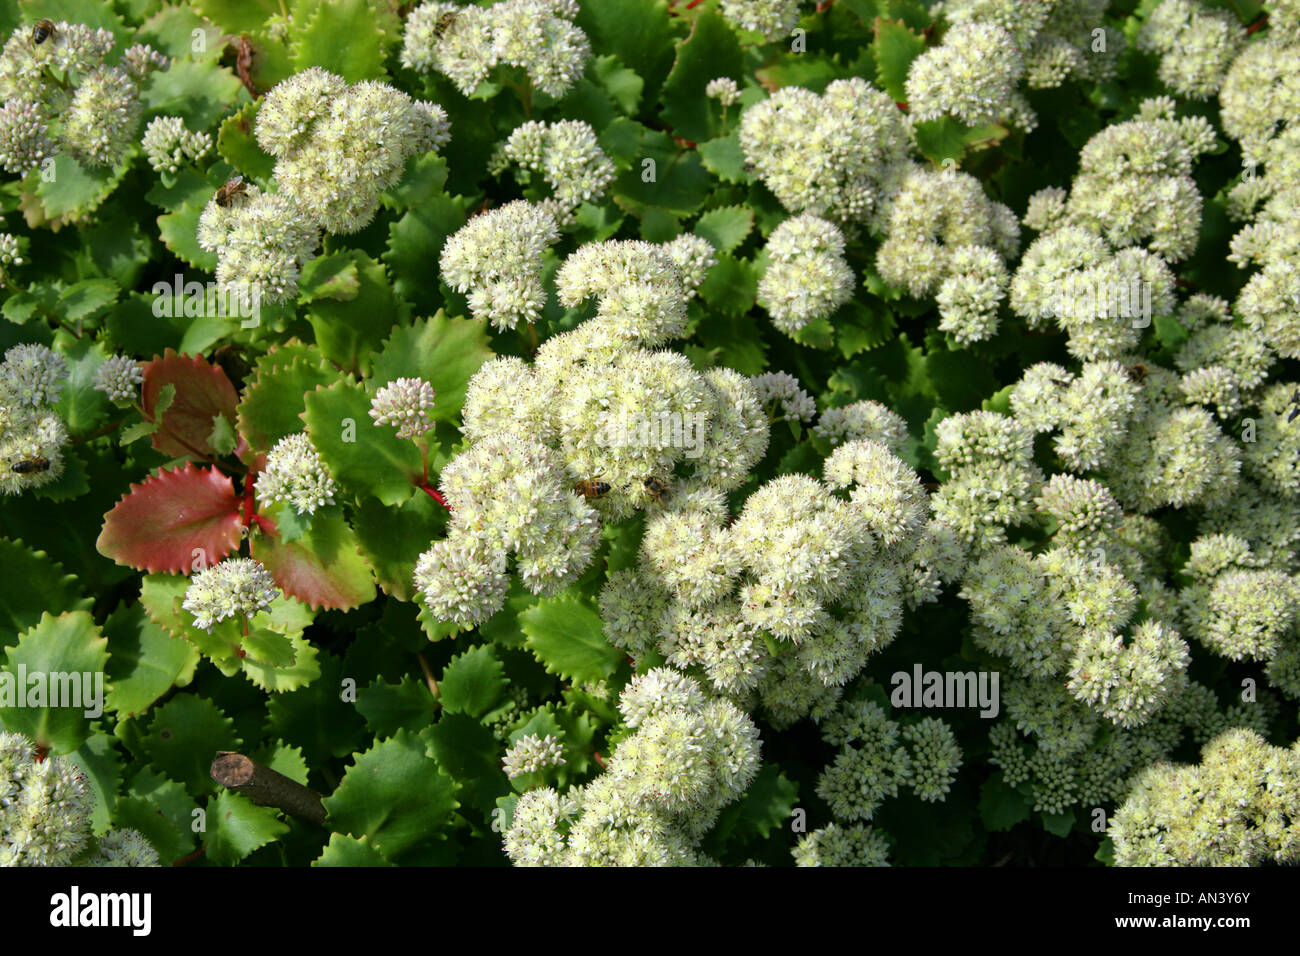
(158, 525)
(324, 567)
(202, 391)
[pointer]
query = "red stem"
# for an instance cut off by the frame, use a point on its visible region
(434, 494)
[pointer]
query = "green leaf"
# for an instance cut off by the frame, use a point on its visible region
(222, 439)
(184, 737)
(663, 174)
(34, 585)
(161, 810)
(473, 682)
(726, 227)
(72, 191)
(179, 232)
(414, 244)
(146, 663)
(639, 32)
(393, 794)
(724, 158)
(1059, 824)
(388, 708)
(624, 86)
(392, 539)
(161, 596)
(1002, 807)
(567, 637)
(268, 647)
(99, 761)
(198, 91)
(350, 331)
(275, 398)
(365, 458)
(445, 352)
(941, 140)
(317, 718)
(329, 277)
(20, 307)
(83, 299)
(237, 827)
(347, 37)
(895, 47)
(237, 16)
(468, 752)
(710, 51)
(731, 286)
(301, 670)
(859, 328)
(238, 146)
(83, 408)
(65, 652)
(344, 850)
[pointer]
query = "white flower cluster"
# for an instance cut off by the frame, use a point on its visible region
(807, 276)
(971, 76)
(1196, 45)
(61, 96)
(946, 237)
(687, 757)
(1058, 39)
(724, 90)
(567, 157)
(836, 155)
(1240, 806)
(992, 476)
(168, 145)
(45, 809)
(235, 587)
(774, 19)
(295, 474)
(864, 419)
(262, 240)
(784, 605)
(465, 43)
(32, 433)
(858, 844)
(597, 425)
(497, 258)
(337, 147)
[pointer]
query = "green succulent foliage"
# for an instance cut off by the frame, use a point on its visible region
(346, 682)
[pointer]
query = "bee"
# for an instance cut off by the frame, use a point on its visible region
(1137, 371)
(31, 466)
(43, 30)
(1295, 406)
(655, 488)
(591, 488)
(444, 24)
(233, 187)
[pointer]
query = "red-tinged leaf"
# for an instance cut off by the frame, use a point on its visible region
(202, 392)
(158, 525)
(323, 568)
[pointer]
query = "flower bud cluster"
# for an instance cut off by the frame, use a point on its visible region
(532, 754)
(465, 43)
(337, 147)
(1240, 806)
(836, 155)
(783, 389)
(32, 433)
(857, 844)
(406, 403)
(860, 420)
(168, 145)
(879, 757)
(685, 758)
(992, 476)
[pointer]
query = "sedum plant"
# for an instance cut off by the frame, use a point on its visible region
(605, 432)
